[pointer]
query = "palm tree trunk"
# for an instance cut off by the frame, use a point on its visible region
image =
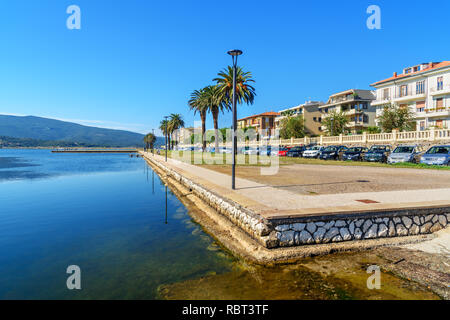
(215, 114)
(203, 117)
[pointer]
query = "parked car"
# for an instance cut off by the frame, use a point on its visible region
(437, 155)
(404, 153)
(378, 153)
(312, 152)
(282, 152)
(224, 150)
(354, 154)
(296, 152)
(251, 151)
(332, 153)
(265, 150)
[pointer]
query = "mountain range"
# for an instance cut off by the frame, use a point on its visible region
(37, 131)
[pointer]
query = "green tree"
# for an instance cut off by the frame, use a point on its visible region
(292, 127)
(149, 140)
(336, 123)
(245, 92)
(197, 103)
(373, 129)
(176, 122)
(164, 127)
(396, 117)
(211, 97)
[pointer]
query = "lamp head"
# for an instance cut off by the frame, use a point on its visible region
(235, 52)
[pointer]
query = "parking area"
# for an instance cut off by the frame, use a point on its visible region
(307, 179)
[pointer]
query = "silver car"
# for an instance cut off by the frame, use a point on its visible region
(405, 153)
(437, 155)
(312, 152)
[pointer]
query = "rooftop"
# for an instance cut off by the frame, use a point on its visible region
(265, 114)
(409, 72)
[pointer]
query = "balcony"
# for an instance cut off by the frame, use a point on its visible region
(437, 112)
(343, 99)
(381, 101)
(445, 89)
(409, 96)
(359, 124)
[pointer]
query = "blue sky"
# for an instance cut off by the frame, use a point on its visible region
(135, 61)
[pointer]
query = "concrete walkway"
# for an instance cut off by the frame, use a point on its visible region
(274, 203)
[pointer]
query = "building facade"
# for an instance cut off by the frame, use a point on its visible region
(424, 88)
(356, 105)
(263, 123)
(311, 114)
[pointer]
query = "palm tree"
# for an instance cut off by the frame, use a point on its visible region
(164, 127)
(211, 97)
(176, 122)
(196, 103)
(149, 140)
(245, 92)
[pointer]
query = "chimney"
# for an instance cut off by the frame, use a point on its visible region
(430, 65)
(395, 74)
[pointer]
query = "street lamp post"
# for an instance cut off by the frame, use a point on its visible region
(165, 133)
(234, 55)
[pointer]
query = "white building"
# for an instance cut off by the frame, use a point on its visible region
(424, 88)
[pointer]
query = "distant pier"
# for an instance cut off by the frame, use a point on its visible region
(94, 150)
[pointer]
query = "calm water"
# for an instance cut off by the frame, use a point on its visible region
(104, 213)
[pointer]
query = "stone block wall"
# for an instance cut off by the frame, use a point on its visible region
(347, 229)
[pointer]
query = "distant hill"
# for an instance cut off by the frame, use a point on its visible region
(37, 131)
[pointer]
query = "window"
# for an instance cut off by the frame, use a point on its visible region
(365, 118)
(420, 87)
(440, 123)
(439, 103)
(365, 106)
(440, 83)
(403, 91)
(386, 94)
(422, 125)
(315, 118)
(420, 106)
(407, 70)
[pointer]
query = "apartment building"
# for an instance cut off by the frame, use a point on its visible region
(311, 115)
(356, 105)
(424, 88)
(263, 123)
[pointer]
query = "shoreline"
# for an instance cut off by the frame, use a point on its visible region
(241, 244)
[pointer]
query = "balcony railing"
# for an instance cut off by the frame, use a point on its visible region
(443, 88)
(343, 99)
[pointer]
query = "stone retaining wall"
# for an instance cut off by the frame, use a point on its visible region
(353, 228)
(318, 230)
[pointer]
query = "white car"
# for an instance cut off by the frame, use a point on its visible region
(312, 152)
(252, 151)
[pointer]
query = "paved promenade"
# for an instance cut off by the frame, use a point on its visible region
(273, 203)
